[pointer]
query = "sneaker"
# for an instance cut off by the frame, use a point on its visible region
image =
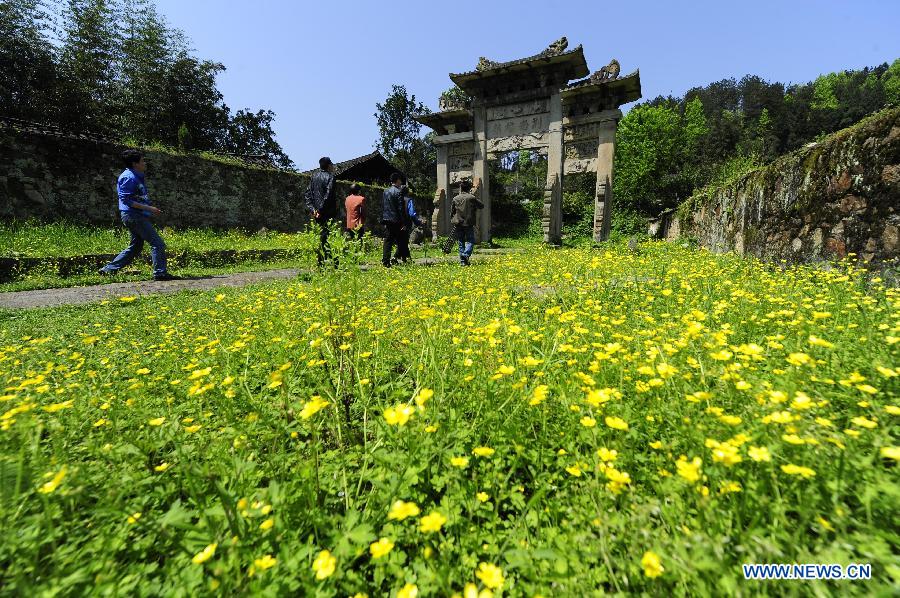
(166, 276)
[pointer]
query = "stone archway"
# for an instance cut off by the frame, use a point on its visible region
(531, 104)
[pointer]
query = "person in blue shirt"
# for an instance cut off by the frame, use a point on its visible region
(136, 209)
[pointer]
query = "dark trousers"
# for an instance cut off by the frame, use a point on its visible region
(396, 235)
(323, 253)
(141, 230)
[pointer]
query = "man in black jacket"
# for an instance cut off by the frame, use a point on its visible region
(395, 220)
(320, 203)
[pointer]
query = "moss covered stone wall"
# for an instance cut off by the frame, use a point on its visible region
(824, 201)
(50, 177)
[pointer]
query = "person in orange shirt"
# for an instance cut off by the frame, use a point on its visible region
(356, 212)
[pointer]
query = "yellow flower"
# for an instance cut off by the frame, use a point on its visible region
(890, 452)
(606, 455)
(616, 423)
(728, 487)
(133, 518)
(652, 564)
(205, 554)
(689, 470)
(482, 497)
(483, 451)
(53, 484)
(506, 370)
(432, 522)
(574, 470)
(313, 406)
(798, 359)
(863, 422)
(540, 395)
(588, 422)
(267, 524)
(380, 548)
(423, 396)
(792, 469)
(324, 565)
(759, 453)
(162, 467)
(192, 429)
(398, 415)
(157, 422)
(892, 409)
(265, 562)
(819, 342)
(409, 590)
(461, 462)
(792, 439)
(401, 510)
(490, 575)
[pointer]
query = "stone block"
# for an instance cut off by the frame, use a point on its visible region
(836, 247)
(889, 239)
(852, 203)
(890, 174)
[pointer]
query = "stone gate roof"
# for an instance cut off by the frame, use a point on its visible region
(572, 63)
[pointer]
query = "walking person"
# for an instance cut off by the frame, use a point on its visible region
(355, 205)
(412, 219)
(322, 206)
(395, 219)
(462, 216)
(136, 209)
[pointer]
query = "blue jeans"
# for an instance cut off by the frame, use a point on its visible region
(141, 230)
(466, 236)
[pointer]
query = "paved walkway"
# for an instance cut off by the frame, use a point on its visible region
(91, 294)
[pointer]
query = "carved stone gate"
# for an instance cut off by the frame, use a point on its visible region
(531, 104)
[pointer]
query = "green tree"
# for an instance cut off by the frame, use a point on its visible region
(251, 133)
(88, 64)
(28, 72)
(400, 138)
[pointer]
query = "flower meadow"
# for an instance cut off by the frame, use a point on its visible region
(553, 423)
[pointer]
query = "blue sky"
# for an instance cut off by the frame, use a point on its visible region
(322, 66)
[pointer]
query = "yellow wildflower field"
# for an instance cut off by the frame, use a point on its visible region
(554, 423)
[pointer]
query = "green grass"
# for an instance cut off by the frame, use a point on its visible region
(565, 423)
(61, 239)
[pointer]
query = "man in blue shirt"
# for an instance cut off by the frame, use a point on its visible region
(136, 209)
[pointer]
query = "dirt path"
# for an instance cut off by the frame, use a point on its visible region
(91, 294)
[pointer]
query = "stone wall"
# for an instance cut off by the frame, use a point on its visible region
(56, 177)
(829, 199)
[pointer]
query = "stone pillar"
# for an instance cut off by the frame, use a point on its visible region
(439, 217)
(603, 196)
(480, 168)
(552, 220)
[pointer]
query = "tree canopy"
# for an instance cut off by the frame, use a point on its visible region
(116, 68)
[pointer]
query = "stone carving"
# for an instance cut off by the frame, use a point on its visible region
(608, 72)
(461, 149)
(582, 149)
(484, 64)
(582, 132)
(457, 176)
(519, 109)
(557, 47)
(461, 162)
(447, 104)
(523, 125)
(516, 142)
